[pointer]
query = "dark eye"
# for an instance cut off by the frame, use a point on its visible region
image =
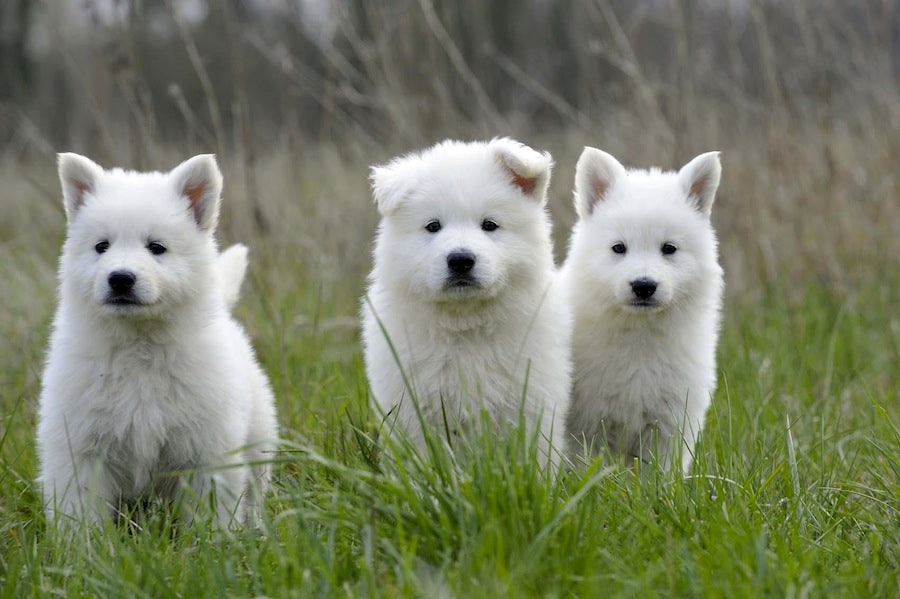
(619, 248)
(156, 248)
(489, 225)
(433, 227)
(668, 248)
(101, 247)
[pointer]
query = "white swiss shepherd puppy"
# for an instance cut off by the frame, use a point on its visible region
(645, 289)
(464, 290)
(148, 374)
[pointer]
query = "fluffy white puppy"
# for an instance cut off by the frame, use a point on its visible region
(645, 288)
(150, 385)
(463, 312)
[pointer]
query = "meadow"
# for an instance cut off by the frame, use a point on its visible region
(795, 489)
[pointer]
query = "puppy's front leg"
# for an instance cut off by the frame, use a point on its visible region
(218, 491)
(81, 489)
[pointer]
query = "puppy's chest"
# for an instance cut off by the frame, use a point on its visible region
(647, 379)
(458, 369)
(141, 399)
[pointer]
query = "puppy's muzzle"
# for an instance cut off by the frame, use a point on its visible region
(643, 288)
(121, 286)
(460, 263)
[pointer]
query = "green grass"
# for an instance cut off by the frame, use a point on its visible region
(795, 487)
(794, 490)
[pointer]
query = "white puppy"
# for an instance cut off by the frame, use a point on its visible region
(150, 385)
(645, 288)
(463, 313)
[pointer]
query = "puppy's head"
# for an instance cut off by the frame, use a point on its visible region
(462, 221)
(643, 241)
(138, 244)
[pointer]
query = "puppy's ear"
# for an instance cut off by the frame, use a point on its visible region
(527, 170)
(700, 180)
(79, 177)
(595, 174)
(199, 180)
(392, 182)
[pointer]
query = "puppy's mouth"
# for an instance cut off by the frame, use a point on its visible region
(643, 302)
(123, 301)
(461, 284)
(644, 305)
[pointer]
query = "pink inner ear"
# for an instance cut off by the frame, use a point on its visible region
(599, 187)
(82, 188)
(194, 194)
(525, 184)
(698, 186)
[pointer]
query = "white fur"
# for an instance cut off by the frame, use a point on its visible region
(134, 393)
(642, 367)
(462, 350)
(232, 265)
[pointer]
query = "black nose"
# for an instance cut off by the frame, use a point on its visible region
(460, 262)
(643, 288)
(121, 281)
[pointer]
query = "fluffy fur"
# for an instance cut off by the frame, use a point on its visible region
(644, 284)
(147, 373)
(464, 287)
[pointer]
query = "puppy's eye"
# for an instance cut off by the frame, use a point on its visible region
(668, 248)
(619, 248)
(489, 225)
(101, 247)
(433, 227)
(156, 248)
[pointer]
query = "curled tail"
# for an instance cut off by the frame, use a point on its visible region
(232, 264)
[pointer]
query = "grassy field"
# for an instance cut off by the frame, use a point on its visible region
(795, 490)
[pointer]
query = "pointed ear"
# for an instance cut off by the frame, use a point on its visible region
(386, 187)
(391, 183)
(78, 176)
(595, 174)
(199, 180)
(526, 169)
(700, 180)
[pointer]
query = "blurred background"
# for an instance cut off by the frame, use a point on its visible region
(299, 97)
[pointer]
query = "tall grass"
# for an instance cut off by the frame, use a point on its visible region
(794, 489)
(795, 485)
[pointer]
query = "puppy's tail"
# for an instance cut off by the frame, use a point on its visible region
(232, 264)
